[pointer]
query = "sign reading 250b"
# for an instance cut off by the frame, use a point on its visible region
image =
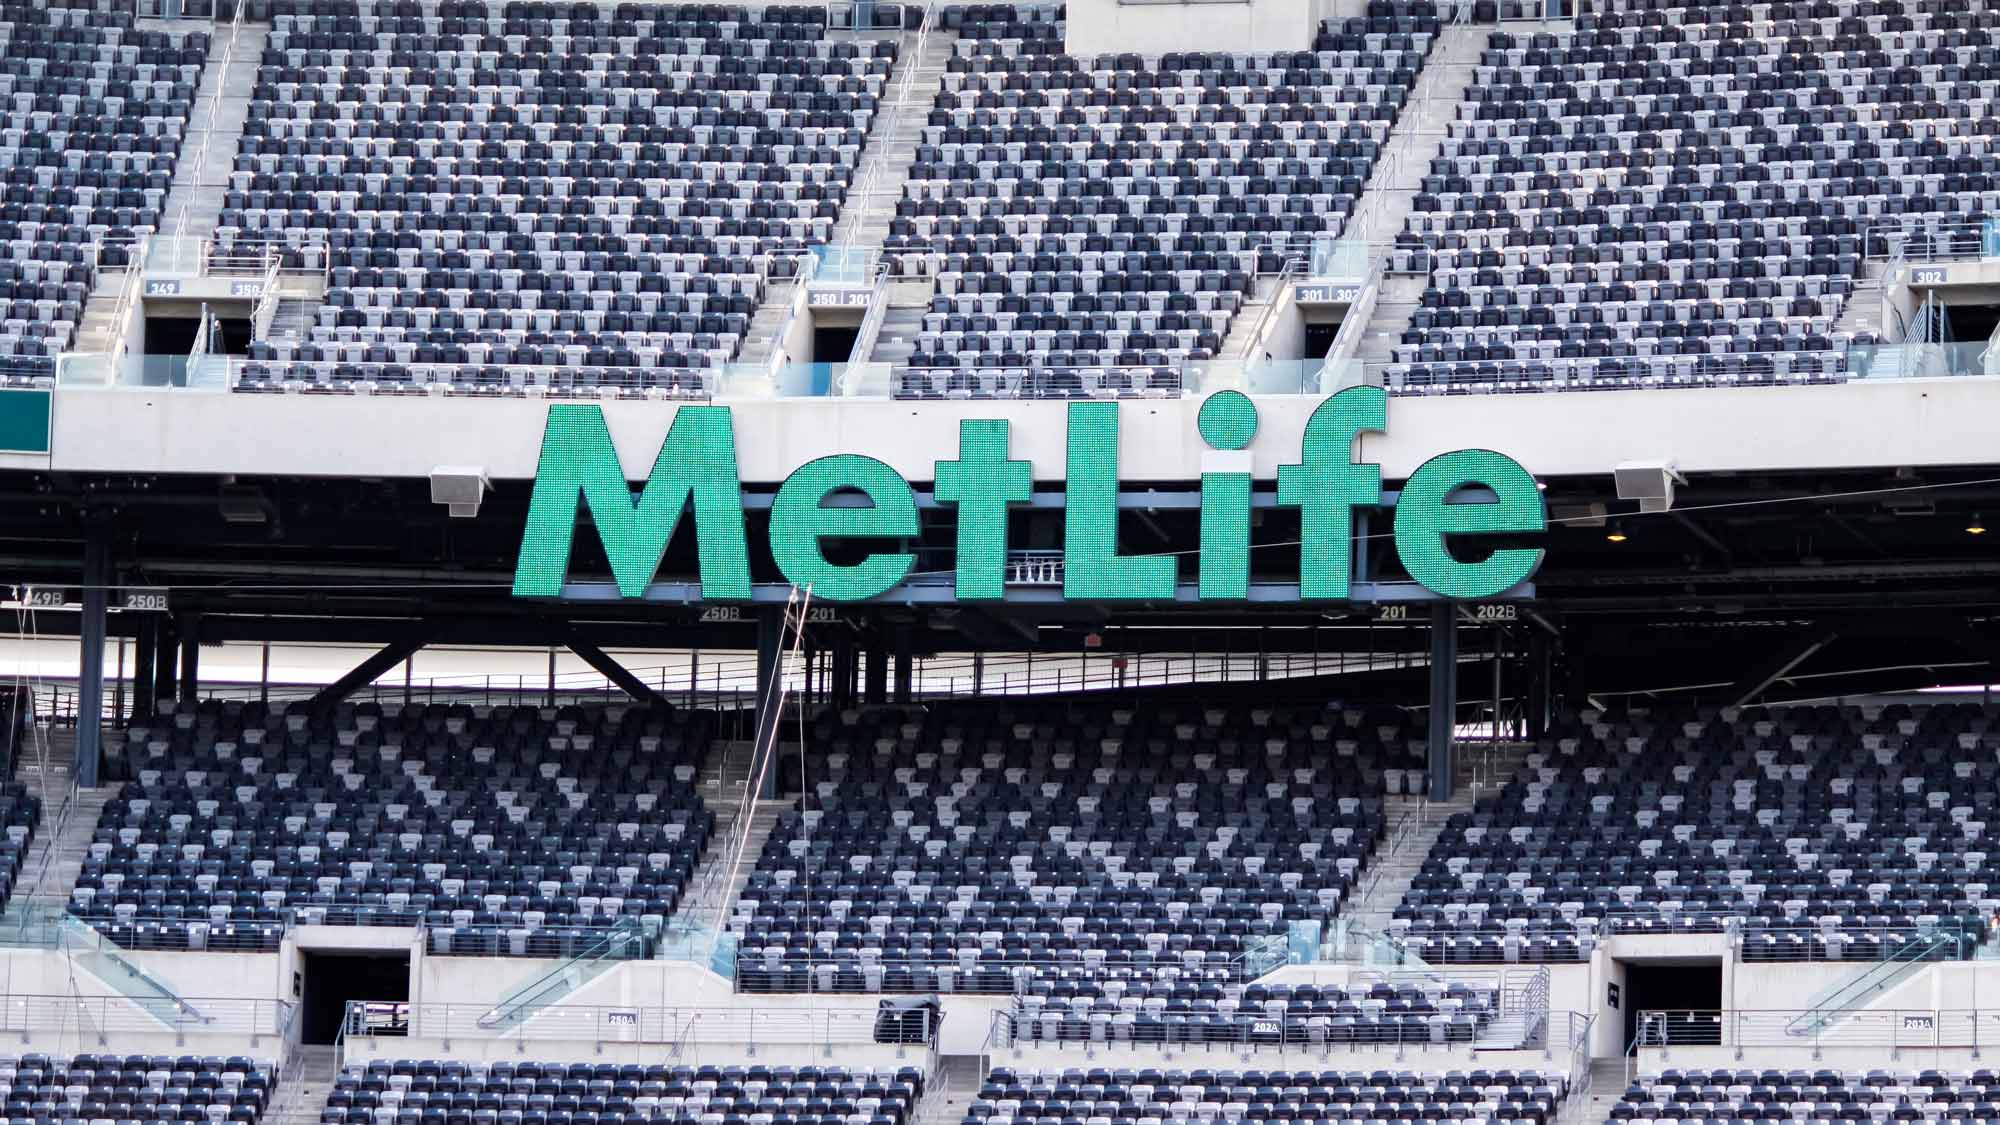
(1450, 498)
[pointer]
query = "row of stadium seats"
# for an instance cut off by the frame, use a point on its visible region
(533, 1093)
(505, 830)
(1168, 1008)
(1701, 1096)
(136, 1088)
(1179, 1097)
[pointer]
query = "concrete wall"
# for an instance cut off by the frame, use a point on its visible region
(1912, 423)
(1155, 27)
(450, 993)
(1217, 1056)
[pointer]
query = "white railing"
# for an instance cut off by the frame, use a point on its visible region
(128, 299)
(225, 1016)
(267, 303)
(1874, 1028)
(1346, 347)
(635, 1024)
(871, 325)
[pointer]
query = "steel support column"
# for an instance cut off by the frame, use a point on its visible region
(145, 668)
(190, 630)
(166, 660)
(90, 653)
(1444, 697)
(877, 686)
(905, 666)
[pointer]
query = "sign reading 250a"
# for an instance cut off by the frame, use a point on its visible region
(1466, 493)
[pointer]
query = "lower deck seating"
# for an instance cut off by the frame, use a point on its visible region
(538, 1093)
(1818, 833)
(1155, 1096)
(503, 830)
(134, 1089)
(1171, 1010)
(1735, 1094)
(957, 848)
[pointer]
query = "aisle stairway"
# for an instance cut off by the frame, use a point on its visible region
(308, 1075)
(950, 1089)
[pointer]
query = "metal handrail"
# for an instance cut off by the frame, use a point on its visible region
(128, 299)
(862, 202)
(635, 1023)
(234, 1015)
(208, 132)
(1893, 1028)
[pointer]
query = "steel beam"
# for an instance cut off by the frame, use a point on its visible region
(366, 672)
(615, 672)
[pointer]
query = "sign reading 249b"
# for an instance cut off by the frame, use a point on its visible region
(1453, 497)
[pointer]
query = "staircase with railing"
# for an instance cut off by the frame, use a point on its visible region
(1874, 980)
(624, 941)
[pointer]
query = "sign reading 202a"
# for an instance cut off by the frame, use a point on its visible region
(1455, 495)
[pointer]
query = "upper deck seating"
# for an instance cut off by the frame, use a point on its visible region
(574, 197)
(1678, 193)
(92, 115)
(1095, 223)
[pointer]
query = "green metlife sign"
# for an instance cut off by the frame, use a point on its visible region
(696, 471)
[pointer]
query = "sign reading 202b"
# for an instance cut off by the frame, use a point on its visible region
(1469, 492)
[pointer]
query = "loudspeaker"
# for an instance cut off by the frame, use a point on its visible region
(1651, 483)
(460, 488)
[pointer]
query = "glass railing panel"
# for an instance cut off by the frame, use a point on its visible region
(1911, 360)
(626, 941)
(1857, 991)
(88, 949)
(1339, 259)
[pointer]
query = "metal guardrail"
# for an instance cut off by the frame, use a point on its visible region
(1892, 1028)
(992, 975)
(1015, 1028)
(728, 679)
(1804, 941)
(443, 938)
(112, 1014)
(819, 1026)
